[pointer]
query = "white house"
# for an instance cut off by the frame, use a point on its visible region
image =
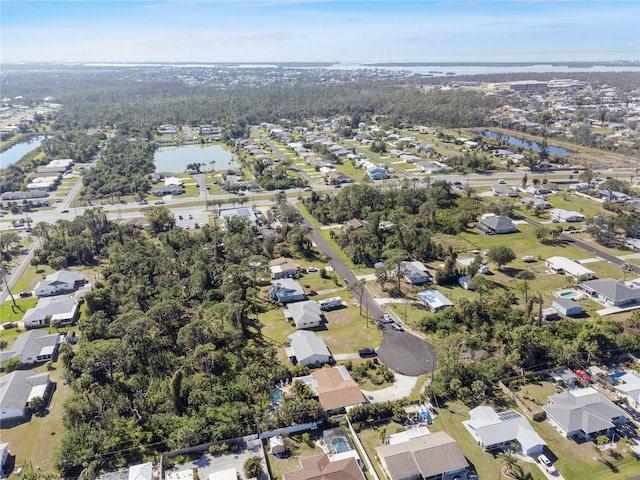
(62, 307)
(62, 281)
(583, 412)
(629, 387)
(566, 215)
(330, 303)
(34, 346)
(567, 307)
(283, 267)
(308, 349)
(564, 265)
(143, 471)
(493, 430)
(305, 314)
(434, 300)
(415, 272)
(17, 389)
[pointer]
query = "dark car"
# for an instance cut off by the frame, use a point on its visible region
(64, 211)
(7, 325)
(367, 353)
(25, 294)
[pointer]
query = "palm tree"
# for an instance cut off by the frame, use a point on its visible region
(626, 443)
(4, 273)
(510, 463)
(382, 435)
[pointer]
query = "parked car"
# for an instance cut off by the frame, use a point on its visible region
(7, 325)
(367, 353)
(190, 217)
(457, 184)
(311, 293)
(397, 327)
(312, 269)
(25, 294)
(582, 375)
(143, 202)
(502, 182)
(196, 225)
(64, 211)
(180, 217)
(387, 318)
(308, 189)
(240, 194)
(159, 202)
(547, 465)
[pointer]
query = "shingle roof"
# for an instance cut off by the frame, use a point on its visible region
(306, 344)
(16, 387)
(497, 223)
(585, 409)
(613, 289)
(304, 313)
(336, 388)
(427, 456)
(320, 467)
(30, 344)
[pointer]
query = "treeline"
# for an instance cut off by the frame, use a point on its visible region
(123, 169)
(171, 355)
(402, 217)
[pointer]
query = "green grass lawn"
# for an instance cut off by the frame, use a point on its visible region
(298, 449)
(11, 313)
(35, 441)
(30, 278)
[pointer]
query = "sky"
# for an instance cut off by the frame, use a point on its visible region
(265, 31)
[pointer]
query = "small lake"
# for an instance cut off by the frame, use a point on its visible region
(176, 159)
(518, 142)
(19, 150)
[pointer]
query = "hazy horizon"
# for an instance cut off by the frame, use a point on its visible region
(276, 31)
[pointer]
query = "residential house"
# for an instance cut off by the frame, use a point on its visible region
(17, 389)
(496, 225)
(376, 173)
(335, 389)
(336, 177)
(305, 314)
(432, 456)
(465, 282)
(287, 290)
(62, 281)
(308, 349)
(434, 300)
(168, 190)
(466, 262)
(535, 202)
(566, 215)
(629, 388)
(494, 430)
(143, 471)
(564, 378)
(415, 272)
(61, 307)
(611, 292)
(505, 190)
(321, 467)
(330, 303)
(583, 412)
(567, 307)
(570, 267)
(34, 346)
(283, 267)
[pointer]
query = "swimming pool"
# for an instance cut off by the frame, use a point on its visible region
(568, 294)
(340, 445)
(276, 395)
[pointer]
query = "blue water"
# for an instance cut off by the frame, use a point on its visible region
(568, 294)
(276, 395)
(19, 150)
(176, 159)
(340, 445)
(518, 142)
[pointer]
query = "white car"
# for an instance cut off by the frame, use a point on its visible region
(312, 269)
(546, 463)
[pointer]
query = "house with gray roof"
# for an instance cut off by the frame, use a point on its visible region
(583, 412)
(496, 225)
(415, 272)
(61, 307)
(287, 290)
(305, 314)
(429, 456)
(308, 349)
(435, 300)
(567, 307)
(494, 430)
(17, 389)
(611, 292)
(62, 281)
(34, 346)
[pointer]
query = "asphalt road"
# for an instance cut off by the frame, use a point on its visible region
(403, 352)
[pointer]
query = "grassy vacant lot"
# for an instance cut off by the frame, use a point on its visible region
(535, 394)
